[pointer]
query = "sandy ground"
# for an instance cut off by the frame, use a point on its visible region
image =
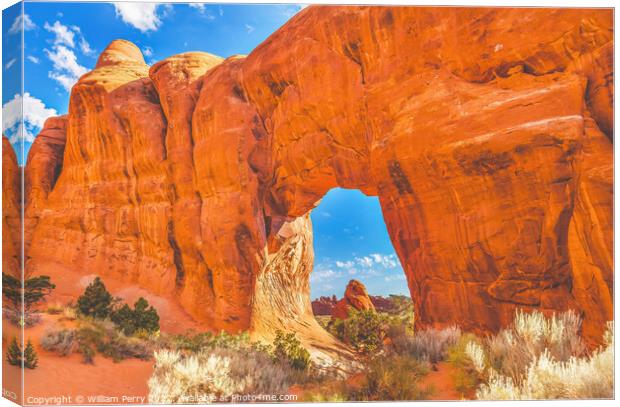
(443, 383)
(70, 285)
(68, 378)
(71, 381)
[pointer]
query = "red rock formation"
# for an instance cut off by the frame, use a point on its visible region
(42, 171)
(355, 297)
(324, 305)
(11, 211)
(382, 304)
(487, 141)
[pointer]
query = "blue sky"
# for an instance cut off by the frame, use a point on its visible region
(351, 241)
(62, 42)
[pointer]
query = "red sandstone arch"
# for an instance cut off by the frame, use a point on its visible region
(487, 142)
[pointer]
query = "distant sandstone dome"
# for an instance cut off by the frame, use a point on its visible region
(356, 298)
(488, 143)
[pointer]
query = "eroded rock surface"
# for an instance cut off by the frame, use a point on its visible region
(486, 134)
(11, 211)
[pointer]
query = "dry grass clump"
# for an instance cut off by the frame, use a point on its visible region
(91, 336)
(55, 309)
(468, 359)
(512, 350)
(61, 341)
(392, 378)
(215, 374)
(537, 357)
(429, 345)
(549, 378)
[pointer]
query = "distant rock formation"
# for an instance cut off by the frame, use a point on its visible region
(356, 298)
(382, 304)
(324, 305)
(486, 133)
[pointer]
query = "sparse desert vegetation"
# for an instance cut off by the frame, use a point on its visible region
(544, 358)
(22, 301)
(26, 357)
(535, 357)
(101, 325)
(226, 365)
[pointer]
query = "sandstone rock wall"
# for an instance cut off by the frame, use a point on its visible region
(11, 211)
(486, 134)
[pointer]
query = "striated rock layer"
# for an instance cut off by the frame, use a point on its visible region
(485, 133)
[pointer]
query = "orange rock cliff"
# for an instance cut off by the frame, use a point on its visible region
(485, 133)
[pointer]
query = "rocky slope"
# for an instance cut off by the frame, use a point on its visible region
(485, 133)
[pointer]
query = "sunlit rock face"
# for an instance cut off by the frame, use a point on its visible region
(485, 133)
(11, 211)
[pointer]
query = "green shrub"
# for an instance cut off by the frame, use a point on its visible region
(16, 357)
(142, 318)
(14, 353)
(287, 347)
(96, 301)
(364, 330)
(392, 377)
(34, 291)
(31, 359)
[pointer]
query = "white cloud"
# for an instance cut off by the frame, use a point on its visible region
(10, 63)
(66, 68)
(387, 261)
(33, 59)
(395, 277)
(249, 28)
(203, 10)
(84, 45)
(344, 264)
(143, 16)
(221, 11)
(324, 274)
(364, 261)
(199, 6)
(34, 115)
(17, 24)
(63, 34)
(147, 51)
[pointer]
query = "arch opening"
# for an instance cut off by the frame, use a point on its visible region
(351, 242)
